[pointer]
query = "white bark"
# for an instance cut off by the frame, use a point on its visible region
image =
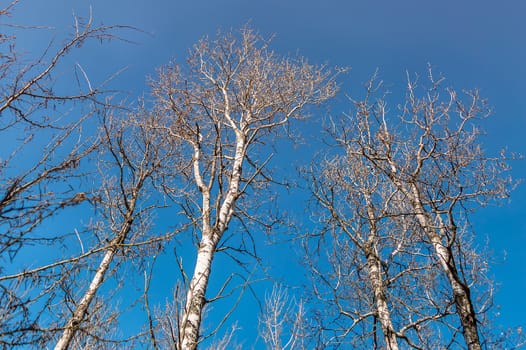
(237, 93)
(82, 308)
(195, 299)
(81, 311)
(211, 234)
(382, 308)
(461, 292)
(374, 266)
(126, 198)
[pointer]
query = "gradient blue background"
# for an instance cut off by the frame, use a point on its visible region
(475, 44)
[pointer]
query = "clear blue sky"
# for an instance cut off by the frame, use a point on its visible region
(475, 44)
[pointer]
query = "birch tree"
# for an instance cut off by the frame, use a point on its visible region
(228, 104)
(431, 157)
(49, 125)
(371, 272)
(31, 109)
(139, 160)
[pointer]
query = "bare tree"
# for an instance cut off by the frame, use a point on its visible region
(235, 96)
(29, 111)
(282, 321)
(141, 157)
(47, 171)
(432, 162)
(372, 271)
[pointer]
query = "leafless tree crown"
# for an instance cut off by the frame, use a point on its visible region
(398, 201)
(393, 258)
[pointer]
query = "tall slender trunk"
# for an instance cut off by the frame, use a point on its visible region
(382, 308)
(195, 299)
(80, 312)
(374, 266)
(73, 324)
(461, 292)
(189, 329)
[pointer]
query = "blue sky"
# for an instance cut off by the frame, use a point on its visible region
(475, 44)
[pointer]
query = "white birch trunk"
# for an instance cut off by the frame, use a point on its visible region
(374, 266)
(81, 311)
(82, 308)
(195, 299)
(461, 293)
(382, 309)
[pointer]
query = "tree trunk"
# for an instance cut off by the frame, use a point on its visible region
(382, 309)
(461, 292)
(80, 312)
(195, 299)
(374, 266)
